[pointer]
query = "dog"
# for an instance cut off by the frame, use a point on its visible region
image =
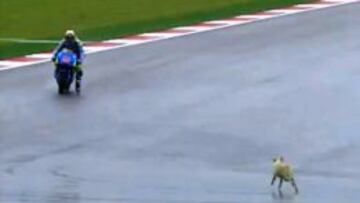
(284, 172)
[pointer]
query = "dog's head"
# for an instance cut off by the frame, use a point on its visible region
(278, 159)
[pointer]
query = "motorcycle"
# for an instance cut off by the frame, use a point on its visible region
(65, 62)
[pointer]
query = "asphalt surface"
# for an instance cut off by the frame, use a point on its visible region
(194, 119)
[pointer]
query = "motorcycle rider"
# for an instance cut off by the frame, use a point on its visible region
(72, 42)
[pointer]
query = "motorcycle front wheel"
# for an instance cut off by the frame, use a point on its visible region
(61, 89)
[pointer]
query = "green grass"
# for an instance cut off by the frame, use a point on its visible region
(105, 19)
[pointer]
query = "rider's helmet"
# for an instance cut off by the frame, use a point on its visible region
(70, 35)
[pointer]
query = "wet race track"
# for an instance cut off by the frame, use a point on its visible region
(194, 119)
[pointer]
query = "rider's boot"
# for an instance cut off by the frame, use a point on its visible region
(79, 74)
(77, 86)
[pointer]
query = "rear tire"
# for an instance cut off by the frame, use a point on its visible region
(61, 90)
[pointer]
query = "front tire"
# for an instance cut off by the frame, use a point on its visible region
(61, 90)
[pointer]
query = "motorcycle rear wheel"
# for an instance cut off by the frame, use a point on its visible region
(61, 90)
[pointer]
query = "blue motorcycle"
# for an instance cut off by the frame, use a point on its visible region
(65, 62)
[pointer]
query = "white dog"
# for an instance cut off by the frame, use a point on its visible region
(284, 172)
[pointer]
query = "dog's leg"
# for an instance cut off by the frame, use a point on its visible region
(280, 184)
(294, 185)
(273, 180)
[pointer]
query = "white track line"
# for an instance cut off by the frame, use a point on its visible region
(227, 22)
(29, 41)
(9, 63)
(193, 28)
(257, 17)
(161, 34)
(122, 41)
(41, 56)
(94, 49)
(316, 6)
(287, 11)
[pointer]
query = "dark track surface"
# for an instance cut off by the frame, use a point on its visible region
(194, 119)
